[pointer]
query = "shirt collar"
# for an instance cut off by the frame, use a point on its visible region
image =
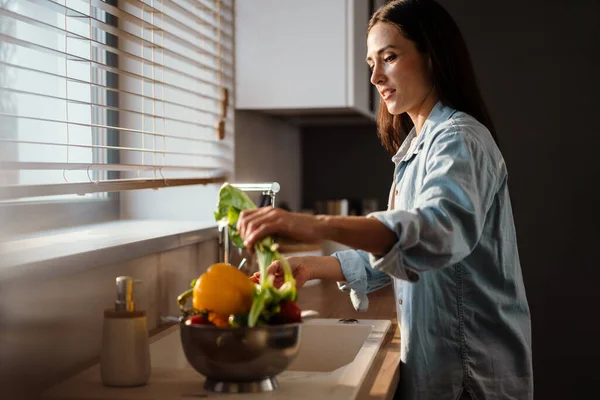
(404, 146)
(439, 113)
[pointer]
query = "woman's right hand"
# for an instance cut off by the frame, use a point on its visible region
(258, 223)
(300, 271)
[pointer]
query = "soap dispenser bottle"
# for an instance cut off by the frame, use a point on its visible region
(125, 354)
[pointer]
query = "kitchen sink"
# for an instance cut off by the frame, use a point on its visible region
(328, 344)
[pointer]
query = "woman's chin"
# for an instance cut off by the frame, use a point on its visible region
(393, 108)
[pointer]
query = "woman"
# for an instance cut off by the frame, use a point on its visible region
(447, 241)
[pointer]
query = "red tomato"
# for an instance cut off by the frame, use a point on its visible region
(290, 312)
(197, 320)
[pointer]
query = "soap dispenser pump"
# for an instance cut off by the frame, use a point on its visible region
(125, 354)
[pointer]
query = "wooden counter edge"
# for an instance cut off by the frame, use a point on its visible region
(290, 248)
(382, 379)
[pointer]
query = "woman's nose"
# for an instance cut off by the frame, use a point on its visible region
(377, 75)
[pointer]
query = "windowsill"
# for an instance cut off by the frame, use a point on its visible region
(89, 246)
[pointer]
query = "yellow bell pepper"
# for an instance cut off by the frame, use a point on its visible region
(218, 319)
(223, 289)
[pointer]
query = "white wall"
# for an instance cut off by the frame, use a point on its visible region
(266, 150)
(188, 203)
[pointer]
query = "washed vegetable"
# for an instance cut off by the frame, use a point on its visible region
(289, 312)
(267, 297)
(220, 320)
(199, 319)
(219, 292)
(224, 296)
(237, 320)
(224, 290)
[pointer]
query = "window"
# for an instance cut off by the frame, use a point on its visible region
(101, 96)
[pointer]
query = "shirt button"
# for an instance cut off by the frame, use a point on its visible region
(396, 192)
(400, 301)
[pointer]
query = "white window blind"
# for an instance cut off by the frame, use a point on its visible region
(109, 95)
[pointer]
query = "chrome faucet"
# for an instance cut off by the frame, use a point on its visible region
(268, 189)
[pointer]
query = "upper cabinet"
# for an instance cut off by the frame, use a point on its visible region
(304, 59)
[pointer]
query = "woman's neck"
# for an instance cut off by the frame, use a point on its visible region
(421, 111)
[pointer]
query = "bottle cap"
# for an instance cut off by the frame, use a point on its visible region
(124, 301)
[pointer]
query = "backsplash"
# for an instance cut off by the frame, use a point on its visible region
(50, 328)
(268, 149)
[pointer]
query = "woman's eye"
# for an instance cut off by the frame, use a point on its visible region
(389, 58)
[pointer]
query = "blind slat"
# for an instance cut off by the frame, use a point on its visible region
(95, 105)
(40, 166)
(202, 4)
(117, 128)
(125, 54)
(104, 26)
(215, 100)
(127, 16)
(115, 185)
(119, 148)
(103, 67)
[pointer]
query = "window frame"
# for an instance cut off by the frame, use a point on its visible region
(23, 217)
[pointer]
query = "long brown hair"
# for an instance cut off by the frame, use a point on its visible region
(436, 35)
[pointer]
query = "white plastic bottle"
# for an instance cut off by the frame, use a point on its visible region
(125, 354)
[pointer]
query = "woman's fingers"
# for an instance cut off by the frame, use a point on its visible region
(259, 233)
(248, 218)
(275, 268)
(257, 224)
(254, 225)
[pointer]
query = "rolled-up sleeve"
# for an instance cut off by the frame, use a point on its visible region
(361, 278)
(449, 210)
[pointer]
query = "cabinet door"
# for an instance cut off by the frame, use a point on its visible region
(291, 54)
(375, 97)
(359, 85)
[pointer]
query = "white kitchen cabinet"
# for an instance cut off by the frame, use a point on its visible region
(303, 57)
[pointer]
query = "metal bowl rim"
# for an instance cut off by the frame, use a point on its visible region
(241, 328)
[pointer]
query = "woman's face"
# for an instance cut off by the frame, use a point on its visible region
(399, 71)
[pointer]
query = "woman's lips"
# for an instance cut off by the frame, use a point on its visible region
(385, 94)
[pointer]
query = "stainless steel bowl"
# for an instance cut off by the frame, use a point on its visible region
(240, 360)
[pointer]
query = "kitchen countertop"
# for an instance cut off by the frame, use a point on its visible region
(290, 246)
(331, 302)
(324, 297)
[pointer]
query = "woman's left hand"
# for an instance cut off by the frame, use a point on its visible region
(254, 225)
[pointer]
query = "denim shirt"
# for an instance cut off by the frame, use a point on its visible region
(462, 310)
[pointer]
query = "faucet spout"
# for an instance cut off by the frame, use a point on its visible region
(270, 189)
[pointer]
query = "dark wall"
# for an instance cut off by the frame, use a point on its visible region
(344, 162)
(538, 65)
